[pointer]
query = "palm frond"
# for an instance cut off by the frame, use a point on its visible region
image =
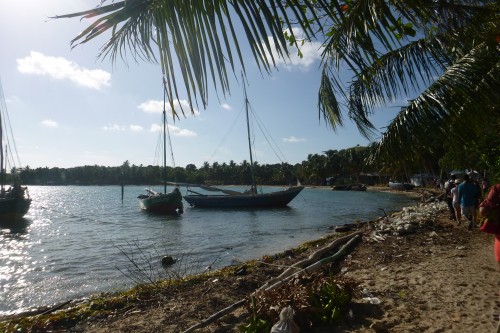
(449, 106)
(197, 36)
(328, 104)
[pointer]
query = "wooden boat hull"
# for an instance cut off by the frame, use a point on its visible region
(401, 186)
(265, 200)
(170, 203)
(12, 209)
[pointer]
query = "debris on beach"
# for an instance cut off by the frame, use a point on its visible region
(407, 221)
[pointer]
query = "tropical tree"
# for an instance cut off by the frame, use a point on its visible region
(316, 168)
(442, 55)
(481, 152)
(446, 53)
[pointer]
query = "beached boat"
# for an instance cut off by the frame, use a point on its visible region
(14, 199)
(350, 187)
(401, 186)
(157, 202)
(247, 199)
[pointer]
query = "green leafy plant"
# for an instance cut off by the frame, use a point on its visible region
(330, 301)
(257, 324)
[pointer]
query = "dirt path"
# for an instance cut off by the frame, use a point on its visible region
(439, 281)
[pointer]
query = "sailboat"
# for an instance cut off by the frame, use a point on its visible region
(157, 202)
(14, 199)
(248, 199)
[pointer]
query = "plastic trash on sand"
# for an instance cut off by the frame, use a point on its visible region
(286, 323)
(372, 300)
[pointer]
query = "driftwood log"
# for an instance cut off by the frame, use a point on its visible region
(55, 308)
(291, 272)
(312, 258)
(314, 267)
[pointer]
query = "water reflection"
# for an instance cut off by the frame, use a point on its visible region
(19, 226)
(162, 217)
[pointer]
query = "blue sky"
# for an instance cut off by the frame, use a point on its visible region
(67, 108)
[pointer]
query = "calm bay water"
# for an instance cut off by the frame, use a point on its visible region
(75, 240)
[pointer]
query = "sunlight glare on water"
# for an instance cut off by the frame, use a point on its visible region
(77, 241)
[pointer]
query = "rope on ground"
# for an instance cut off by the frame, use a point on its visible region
(350, 239)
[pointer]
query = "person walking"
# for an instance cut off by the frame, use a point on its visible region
(490, 208)
(468, 194)
(449, 199)
(480, 194)
(456, 202)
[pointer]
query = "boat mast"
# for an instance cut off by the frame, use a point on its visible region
(2, 174)
(254, 187)
(164, 143)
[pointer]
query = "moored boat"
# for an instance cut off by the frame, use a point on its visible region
(162, 203)
(14, 199)
(14, 203)
(247, 199)
(157, 202)
(244, 200)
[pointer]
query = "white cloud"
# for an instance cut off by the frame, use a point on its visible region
(226, 106)
(311, 52)
(155, 106)
(293, 139)
(62, 69)
(136, 128)
(13, 100)
(113, 127)
(151, 106)
(50, 123)
(174, 130)
(155, 128)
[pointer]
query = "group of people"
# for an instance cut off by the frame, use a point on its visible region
(463, 198)
(470, 200)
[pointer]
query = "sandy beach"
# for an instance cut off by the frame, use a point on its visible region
(439, 277)
(441, 280)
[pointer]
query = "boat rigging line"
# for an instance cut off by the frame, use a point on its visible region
(8, 128)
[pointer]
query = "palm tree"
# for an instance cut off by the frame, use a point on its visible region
(444, 52)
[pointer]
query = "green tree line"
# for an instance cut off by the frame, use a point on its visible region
(341, 165)
(351, 165)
